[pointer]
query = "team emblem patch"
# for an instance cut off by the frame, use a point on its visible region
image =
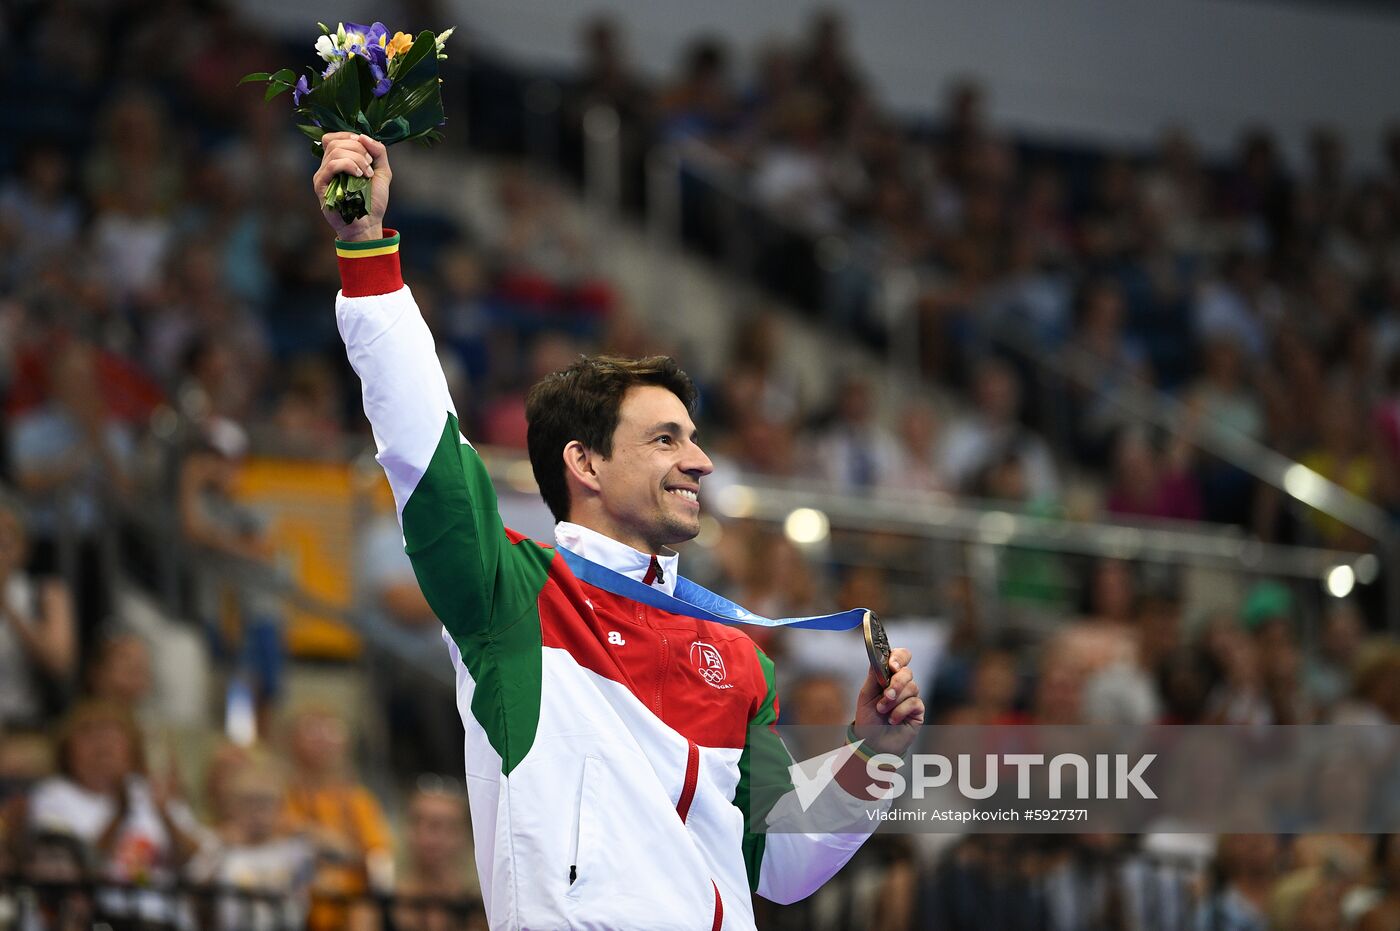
(709, 664)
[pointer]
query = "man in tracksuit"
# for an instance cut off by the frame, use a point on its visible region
(609, 759)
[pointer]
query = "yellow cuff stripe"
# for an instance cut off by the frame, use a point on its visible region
(366, 253)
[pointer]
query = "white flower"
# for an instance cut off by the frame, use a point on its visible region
(326, 48)
(442, 37)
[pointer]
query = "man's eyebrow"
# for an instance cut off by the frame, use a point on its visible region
(671, 426)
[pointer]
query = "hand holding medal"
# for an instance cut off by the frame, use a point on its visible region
(888, 710)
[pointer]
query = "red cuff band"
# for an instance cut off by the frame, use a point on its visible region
(368, 268)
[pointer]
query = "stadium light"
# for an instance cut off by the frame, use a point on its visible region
(1340, 581)
(806, 526)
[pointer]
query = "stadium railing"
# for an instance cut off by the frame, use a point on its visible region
(167, 906)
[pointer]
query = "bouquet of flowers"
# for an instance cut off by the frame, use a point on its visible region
(387, 88)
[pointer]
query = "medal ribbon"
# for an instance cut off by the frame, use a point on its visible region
(692, 600)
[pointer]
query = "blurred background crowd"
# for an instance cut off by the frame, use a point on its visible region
(1120, 376)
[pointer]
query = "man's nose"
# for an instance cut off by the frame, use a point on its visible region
(696, 463)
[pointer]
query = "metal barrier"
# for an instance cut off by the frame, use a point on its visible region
(62, 905)
(1039, 883)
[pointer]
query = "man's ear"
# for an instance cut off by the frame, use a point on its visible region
(580, 462)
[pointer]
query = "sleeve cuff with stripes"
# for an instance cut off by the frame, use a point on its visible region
(369, 267)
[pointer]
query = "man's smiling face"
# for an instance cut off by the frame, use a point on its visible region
(649, 488)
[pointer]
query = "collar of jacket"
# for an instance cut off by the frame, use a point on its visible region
(619, 557)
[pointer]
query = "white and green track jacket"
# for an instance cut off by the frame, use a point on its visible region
(608, 752)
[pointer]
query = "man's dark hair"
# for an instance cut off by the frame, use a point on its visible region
(582, 403)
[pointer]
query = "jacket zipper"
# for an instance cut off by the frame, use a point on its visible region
(665, 658)
(692, 776)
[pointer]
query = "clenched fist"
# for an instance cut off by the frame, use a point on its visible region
(359, 155)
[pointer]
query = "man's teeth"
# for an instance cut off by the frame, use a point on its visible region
(685, 493)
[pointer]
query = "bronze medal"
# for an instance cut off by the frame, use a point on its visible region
(877, 647)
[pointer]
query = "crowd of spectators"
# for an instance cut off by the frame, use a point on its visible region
(1262, 295)
(165, 308)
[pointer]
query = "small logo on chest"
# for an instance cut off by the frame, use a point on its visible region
(615, 638)
(709, 664)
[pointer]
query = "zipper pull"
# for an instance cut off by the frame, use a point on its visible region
(573, 873)
(654, 575)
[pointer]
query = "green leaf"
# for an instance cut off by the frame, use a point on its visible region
(339, 96)
(285, 76)
(329, 119)
(255, 76)
(393, 131)
(311, 131)
(274, 89)
(420, 61)
(417, 95)
(426, 138)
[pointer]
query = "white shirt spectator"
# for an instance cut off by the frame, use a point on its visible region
(140, 850)
(971, 445)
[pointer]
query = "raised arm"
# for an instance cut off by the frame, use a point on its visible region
(471, 572)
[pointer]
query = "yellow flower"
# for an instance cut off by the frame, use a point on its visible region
(401, 42)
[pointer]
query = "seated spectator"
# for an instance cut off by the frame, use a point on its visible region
(132, 827)
(1375, 691)
(308, 413)
(919, 468)
(855, 452)
(971, 444)
(38, 649)
(1329, 670)
(1112, 593)
(257, 854)
(503, 418)
(1269, 615)
(1120, 367)
(438, 871)
(226, 761)
(340, 815)
(70, 457)
(794, 177)
(701, 103)
(992, 693)
(121, 672)
(214, 519)
(1246, 868)
(39, 217)
(1239, 696)
(1152, 484)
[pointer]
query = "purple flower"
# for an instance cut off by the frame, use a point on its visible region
(373, 36)
(300, 90)
(379, 69)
